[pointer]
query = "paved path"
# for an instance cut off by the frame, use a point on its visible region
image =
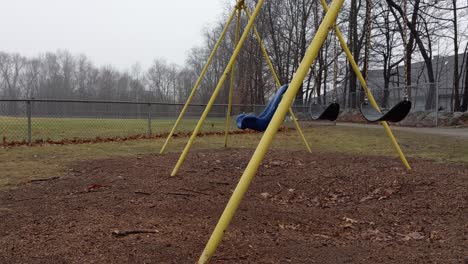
(443, 131)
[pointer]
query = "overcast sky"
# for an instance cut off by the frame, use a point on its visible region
(116, 32)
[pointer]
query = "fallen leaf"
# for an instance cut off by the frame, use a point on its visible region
(412, 235)
(416, 235)
(435, 235)
(350, 220)
(366, 198)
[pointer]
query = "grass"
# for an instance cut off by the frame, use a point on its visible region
(21, 164)
(15, 129)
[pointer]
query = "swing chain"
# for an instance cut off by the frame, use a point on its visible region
(335, 68)
(368, 39)
(405, 44)
(368, 25)
(316, 91)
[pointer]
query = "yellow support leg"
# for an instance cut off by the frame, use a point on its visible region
(267, 138)
(231, 85)
(197, 84)
(278, 82)
(299, 130)
(367, 90)
(218, 88)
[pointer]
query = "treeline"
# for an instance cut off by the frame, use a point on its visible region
(61, 75)
(435, 28)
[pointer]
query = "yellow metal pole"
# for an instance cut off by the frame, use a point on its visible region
(278, 82)
(218, 87)
(267, 138)
(197, 84)
(367, 90)
(299, 130)
(231, 85)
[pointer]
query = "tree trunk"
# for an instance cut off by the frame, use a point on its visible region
(353, 43)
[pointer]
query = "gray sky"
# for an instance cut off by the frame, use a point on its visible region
(116, 32)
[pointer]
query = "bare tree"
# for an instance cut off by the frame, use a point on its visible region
(384, 41)
(160, 79)
(29, 80)
(425, 15)
(10, 69)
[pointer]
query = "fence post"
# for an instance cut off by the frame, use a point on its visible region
(149, 132)
(28, 113)
(437, 105)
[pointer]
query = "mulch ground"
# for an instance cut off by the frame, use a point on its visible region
(300, 208)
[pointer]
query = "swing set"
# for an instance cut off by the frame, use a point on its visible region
(368, 111)
(274, 114)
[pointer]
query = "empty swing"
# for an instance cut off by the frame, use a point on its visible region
(331, 111)
(399, 111)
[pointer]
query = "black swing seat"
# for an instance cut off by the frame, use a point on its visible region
(395, 114)
(321, 112)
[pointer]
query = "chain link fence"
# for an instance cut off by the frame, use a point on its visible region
(30, 121)
(35, 120)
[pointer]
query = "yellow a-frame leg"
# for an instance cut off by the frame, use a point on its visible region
(277, 81)
(367, 90)
(218, 87)
(233, 75)
(197, 84)
(271, 131)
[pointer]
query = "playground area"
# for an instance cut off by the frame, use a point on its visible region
(276, 189)
(351, 201)
(301, 208)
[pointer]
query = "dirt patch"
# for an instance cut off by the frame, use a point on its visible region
(300, 208)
